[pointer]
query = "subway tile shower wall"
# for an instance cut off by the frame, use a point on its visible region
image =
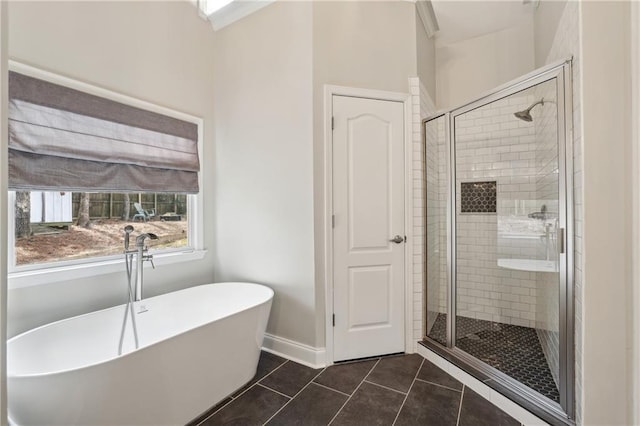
(422, 106)
(493, 145)
(417, 99)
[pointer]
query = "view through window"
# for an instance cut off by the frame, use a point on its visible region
(61, 226)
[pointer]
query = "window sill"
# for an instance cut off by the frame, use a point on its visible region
(43, 276)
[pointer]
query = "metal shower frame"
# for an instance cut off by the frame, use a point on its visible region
(562, 73)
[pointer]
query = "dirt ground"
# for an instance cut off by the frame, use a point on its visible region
(105, 237)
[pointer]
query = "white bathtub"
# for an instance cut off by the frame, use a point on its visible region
(197, 346)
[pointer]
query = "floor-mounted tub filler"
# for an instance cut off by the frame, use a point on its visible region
(196, 347)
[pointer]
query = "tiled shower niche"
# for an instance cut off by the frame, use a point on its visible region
(478, 197)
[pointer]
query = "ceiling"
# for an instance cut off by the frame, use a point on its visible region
(461, 20)
(457, 19)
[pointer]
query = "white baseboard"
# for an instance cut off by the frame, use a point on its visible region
(295, 351)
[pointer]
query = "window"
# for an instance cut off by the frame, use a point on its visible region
(46, 226)
(76, 148)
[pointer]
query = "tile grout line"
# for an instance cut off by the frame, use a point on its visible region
(439, 385)
(409, 391)
(387, 387)
(242, 393)
(258, 381)
(274, 391)
(209, 416)
(331, 389)
(460, 407)
(354, 392)
(292, 397)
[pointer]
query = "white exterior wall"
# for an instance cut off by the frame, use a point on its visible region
(47, 207)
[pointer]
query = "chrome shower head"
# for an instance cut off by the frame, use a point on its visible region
(526, 114)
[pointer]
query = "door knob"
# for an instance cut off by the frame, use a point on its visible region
(397, 239)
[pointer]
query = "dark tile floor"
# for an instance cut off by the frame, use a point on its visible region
(394, 390)
(514, 350)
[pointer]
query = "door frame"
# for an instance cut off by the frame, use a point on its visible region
(405, 99)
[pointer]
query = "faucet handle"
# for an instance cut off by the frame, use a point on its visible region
(149, 257)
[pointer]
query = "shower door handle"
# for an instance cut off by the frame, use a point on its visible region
(561, 241)
(398, 239)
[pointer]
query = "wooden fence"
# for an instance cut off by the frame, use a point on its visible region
(111, 206)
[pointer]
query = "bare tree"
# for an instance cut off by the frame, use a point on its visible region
(83, 211)
(23, 214)
(127, 207)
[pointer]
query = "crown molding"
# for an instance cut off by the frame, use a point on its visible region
(427, 17)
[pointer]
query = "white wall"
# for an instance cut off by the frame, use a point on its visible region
(426, 59)
(270, 73)
(380, 55)
(155, 51)
(469, 68)
(263, 166)
(635, 82)
(605, 35)
(545, 25)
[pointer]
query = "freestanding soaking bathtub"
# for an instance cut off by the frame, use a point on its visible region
(196, 346)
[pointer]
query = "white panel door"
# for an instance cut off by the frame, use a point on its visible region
(368, 204)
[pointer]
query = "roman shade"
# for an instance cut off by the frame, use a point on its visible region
(65, 139)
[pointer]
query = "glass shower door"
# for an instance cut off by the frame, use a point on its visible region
(509, 218)
(436, 241)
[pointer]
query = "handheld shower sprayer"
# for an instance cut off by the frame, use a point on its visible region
(127, 231)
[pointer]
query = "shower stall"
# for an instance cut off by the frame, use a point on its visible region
(499, 238)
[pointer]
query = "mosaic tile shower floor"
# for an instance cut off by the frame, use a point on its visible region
(514, 350)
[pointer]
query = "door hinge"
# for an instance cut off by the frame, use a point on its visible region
(332, 123)
(334, 320)
(333, 220)
(405, 238)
